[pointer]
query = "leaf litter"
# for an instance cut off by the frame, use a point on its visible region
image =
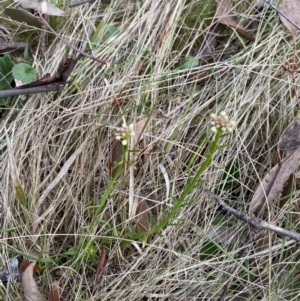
(225, 15)
(290, 8)
(43, 6)
(115, 157)
(22, 15)
(30, 288)
(53, 295)
(290, 138)
(205, 52)
(289, 13)
(273, 183)
(102, 262)
(145, 219)
(237, 29)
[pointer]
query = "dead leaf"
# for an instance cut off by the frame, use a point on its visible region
(144, 217)
(205, 52)
(287, 191)
(224, 235)
(43, 7)
(290, 138)
(101, 264)
(225, 15)
(30, 288)
(25, 263)
(22, 15)
(290, 8)
(140, 128)
(54, 295)
(115, 157)
(11, 45)
(273, 183)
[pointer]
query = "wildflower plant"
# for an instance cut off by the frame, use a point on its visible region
(220, 125)
(124, 133)
(221, 122)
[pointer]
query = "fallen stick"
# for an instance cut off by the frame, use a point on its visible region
(255, 222)
(31, 90)
(54, 83)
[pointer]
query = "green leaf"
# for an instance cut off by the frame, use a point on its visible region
(220, 219)
(208, 251)
(111, 30)
(26, 55)
(95, 36)
(24, 73)
(46, 260)
(21, 195)
(188, 63)
(6, 77)
(72, 252)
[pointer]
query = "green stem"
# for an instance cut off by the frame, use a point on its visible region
(188, 188)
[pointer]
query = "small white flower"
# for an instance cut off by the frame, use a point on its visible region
(221, 122)
(213, 129)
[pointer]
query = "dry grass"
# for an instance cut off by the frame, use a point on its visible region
(39, 136)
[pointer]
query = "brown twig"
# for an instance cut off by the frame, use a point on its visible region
(255, 222)
(71, 46)
(54, 83)
(68, 70)
(32, 90)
